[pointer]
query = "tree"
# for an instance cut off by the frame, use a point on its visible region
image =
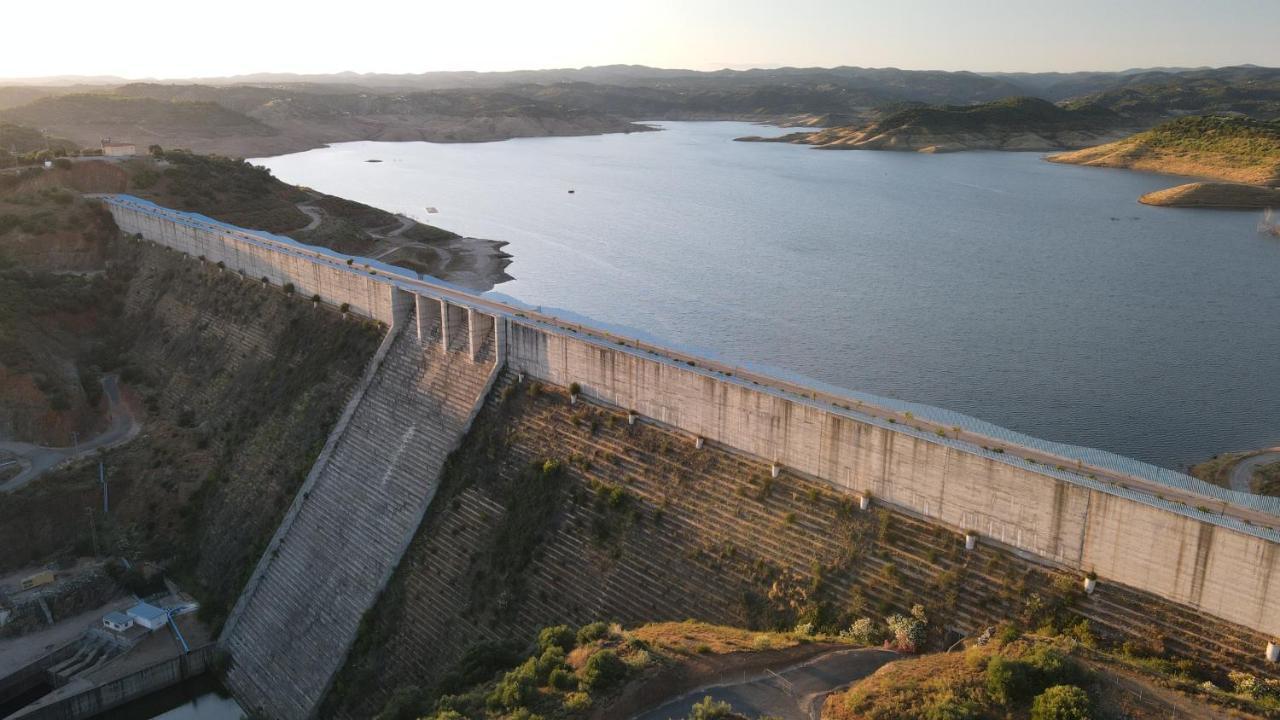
(156, 151)
(1061, 702)
(709, 709)
(603, 669)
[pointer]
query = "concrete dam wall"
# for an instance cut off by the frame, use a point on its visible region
(1143, 527)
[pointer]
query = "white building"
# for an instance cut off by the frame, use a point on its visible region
(118, 149)
(148, 616)
(117, 621)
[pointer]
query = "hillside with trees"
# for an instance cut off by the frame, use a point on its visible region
(1020, 123)
(276, 113)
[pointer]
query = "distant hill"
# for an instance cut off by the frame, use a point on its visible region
(1150, 97)
(19, 140)
(1231, 148)
(88, 118)
(275, 113)
(249, 121)
(1017, 123)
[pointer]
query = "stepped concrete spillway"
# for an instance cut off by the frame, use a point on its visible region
(1158, 531)
(350, 523)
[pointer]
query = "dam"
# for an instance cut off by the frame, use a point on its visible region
(1135, 525)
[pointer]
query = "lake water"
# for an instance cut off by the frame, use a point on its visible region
(1036, 296)
(200, 698)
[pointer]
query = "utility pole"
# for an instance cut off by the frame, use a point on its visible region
(102, 480)
(75, 442)
(93, 528)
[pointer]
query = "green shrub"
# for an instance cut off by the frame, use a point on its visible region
(592, 632)
(577, 702)
(1052, 667)
(479, 663)
(561, 636)
(406, 703)
(1007, 680)
(602, 670)
(550, 660)
(909, 633)
(1061, 702)
(949, 707)
(561, 679)
(516, 688)
(1008, 633)
(708, 709)
(863, 631)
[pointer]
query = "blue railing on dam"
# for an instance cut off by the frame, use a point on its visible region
(1076, 461)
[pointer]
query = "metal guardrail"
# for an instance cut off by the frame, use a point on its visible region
(1071, 463)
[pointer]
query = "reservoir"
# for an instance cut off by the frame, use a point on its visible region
(1036, 296)
(200, 698)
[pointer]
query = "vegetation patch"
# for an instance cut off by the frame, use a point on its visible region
(566, 675)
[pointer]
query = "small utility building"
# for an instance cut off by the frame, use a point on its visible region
(148, 616)
(111, 148)
(117, 621)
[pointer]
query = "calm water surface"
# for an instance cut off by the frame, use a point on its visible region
(200, 698)
(1036, 296)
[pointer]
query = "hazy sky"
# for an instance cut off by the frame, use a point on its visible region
(179, 38)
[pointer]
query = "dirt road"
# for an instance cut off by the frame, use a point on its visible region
(793, 693)
(37, 459)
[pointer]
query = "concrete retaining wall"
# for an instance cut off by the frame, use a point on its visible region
(335, 282)
(155, 677)
(1218, 570)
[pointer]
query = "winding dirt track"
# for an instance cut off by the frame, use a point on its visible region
(1242, 474)
(793, 693)
(37, 459)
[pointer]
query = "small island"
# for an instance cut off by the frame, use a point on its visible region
(1242, 153)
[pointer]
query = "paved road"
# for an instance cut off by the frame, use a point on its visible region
(795, 693)
(1242, 475)
(37, 459)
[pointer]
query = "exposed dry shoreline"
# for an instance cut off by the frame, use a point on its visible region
(1235, 161)
(1215, 195)
(923, 141)
(1129, 156)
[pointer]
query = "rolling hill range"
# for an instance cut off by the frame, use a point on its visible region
(276, 113)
